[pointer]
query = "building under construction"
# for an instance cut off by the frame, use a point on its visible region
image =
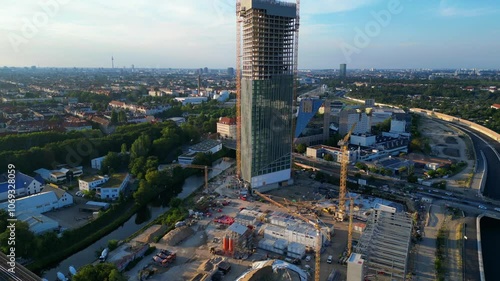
(383, 249)
(267, 32)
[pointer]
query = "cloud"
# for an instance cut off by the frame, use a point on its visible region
(333, 6)
(450, 9)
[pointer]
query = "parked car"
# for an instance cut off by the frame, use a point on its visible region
(482, 207)
(308, 258)
(329, 259)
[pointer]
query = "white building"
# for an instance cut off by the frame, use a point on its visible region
(207, 146)
(192, 100)
(363, 139)
(355, 268)
(24, 185)
(320, 151)
(61, 175)
(226, 128)
(38, 223)
(96, 163)
(112, 188)
(91, 183)
(49, 199)
(359, 117)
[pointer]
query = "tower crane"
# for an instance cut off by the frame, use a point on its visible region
(203, 167)
(301, 217)
(344, 148)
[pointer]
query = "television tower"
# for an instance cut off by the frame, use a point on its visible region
(112, 62)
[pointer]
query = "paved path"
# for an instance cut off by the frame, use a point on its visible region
(424, 262)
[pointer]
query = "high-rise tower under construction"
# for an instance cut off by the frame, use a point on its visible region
(268, 38)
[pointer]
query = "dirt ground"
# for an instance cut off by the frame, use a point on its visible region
(450, 143)
(193, 251)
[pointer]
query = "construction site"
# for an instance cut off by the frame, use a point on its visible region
(261, 223)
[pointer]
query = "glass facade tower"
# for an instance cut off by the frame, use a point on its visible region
(268, 31)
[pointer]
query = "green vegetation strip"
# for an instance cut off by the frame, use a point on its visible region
(439, 262)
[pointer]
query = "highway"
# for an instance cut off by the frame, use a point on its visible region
(21, 273)
(491, 150)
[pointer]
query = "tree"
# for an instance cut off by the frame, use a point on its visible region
(175, 202)
(114, 117)
(328, 157)
(123, 149)
(122, 117)
(99, 272)
(140, 147)
(111, 161)
(25, 240)
(301, 148)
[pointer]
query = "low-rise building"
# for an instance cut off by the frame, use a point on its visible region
(24, 185)
(38, 223)
(49, 199)
(91, 183)
(112, 188)
(96, 163)
(207, 146)
(226, 128)
(61, 175)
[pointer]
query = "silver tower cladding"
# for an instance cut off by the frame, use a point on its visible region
(268, 31)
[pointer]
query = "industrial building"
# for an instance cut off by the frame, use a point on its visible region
(38, 223)
(49, 199)
(96, 163)
(24, 185)
(91, 183)
(61, 175)
(269, 30)
(383, 247)
(112, 188)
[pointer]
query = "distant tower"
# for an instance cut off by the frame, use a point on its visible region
(199, 85)
(112, 62)
(343, 70)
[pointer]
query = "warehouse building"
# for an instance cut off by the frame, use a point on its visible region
(51, 198)
(38, 223)
(24, 185)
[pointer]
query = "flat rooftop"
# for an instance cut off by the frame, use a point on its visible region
(114, 180)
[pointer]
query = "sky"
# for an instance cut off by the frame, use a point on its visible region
(202, 33)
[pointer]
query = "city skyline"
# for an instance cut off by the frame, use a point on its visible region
(364, 34)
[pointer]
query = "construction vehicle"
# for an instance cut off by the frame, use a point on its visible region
(301, 217)
(344, 148)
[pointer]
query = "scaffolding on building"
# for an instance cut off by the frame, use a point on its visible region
(385, 245)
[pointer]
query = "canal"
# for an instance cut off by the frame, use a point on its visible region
(136, 222)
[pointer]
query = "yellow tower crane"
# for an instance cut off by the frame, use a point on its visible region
(301, 217)
(344, 148)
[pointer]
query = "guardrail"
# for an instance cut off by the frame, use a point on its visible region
(479, 248)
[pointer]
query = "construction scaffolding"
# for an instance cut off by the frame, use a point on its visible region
(385, 245)
(266, 71)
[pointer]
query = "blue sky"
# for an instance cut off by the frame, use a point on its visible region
(199, 33)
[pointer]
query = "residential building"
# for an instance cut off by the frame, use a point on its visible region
(361, 118)
(495, 106)
(24, 185)
(91, 183)
(267, 87)
(192, 100)
(112, 188)
(226, 128)
(96, 163)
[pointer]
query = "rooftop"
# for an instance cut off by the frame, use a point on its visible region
(205, 145)
(114, 180)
